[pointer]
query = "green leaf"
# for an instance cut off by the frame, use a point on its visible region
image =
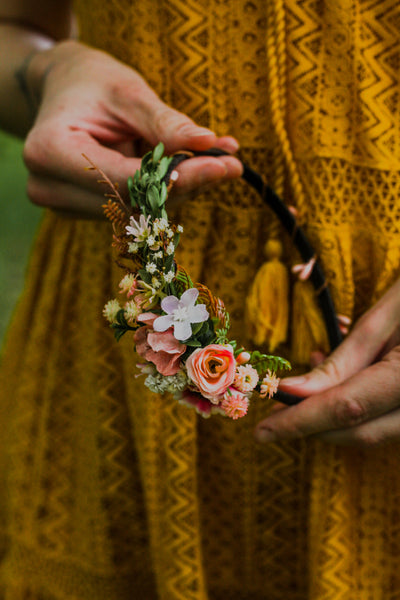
(164, 214)
(168, 263)
(144, 276)
(147, 158)
(196, 327)
(176, 239)
(118, 332)
(158, 152)
(163, 166)
(132, 191)
(153, 198)
(192, 343)
(121, 318)
(206, 334)
(163, 194)
(207, 338)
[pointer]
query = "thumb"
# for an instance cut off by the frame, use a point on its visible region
(160, 122)
(370, 339)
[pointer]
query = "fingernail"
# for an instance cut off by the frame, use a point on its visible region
(231, 145)
(290, 381)
(213, 172)
(264, 436)
(200, 131)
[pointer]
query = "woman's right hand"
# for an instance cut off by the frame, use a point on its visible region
(90, 103)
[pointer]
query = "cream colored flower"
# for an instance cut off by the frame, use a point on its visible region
(110, 310)
(246, 378)
(126, 283)
(269, 385)
(131, 311)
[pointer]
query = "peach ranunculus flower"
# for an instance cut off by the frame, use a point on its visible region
(212, 369)
(161, 349)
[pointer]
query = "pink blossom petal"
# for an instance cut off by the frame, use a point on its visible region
(201, 404)
(189, 297)
(163, 323)
(141, 344)
(182, 330)
(147, 318)
(165, 342)
(198, 313)
(169, 304)
(166, 364)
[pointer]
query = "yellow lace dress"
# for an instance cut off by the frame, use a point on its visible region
(108, 492)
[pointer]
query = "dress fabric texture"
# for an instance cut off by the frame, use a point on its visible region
(110, 492)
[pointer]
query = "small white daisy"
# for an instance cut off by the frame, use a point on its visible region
(151, 268)
(168, 277)
(133, 247)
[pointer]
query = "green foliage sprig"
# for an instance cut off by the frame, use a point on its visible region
(264, 362)
(147, 190)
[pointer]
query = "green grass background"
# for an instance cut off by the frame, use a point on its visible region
(18, 222)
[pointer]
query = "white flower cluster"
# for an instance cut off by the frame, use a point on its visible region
(171, 383)
(154, 242)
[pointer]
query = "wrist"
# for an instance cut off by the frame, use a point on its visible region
(42, 61)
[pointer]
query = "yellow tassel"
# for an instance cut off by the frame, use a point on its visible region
(267, 305)
(308, 327)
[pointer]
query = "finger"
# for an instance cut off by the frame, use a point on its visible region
(65, 198)
(61, 158)
(365, 396)
(159, 122)
(317, 358)
(135, 105)
(364, 345)
(379, 431)
(199, 172)
(60, 195)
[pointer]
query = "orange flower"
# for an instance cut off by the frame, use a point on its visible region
(212, 370)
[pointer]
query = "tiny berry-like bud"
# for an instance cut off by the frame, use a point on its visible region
(243, 358)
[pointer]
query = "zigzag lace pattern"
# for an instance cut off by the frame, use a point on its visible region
(108, 489)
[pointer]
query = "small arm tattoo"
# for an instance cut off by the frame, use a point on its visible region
(22, 80)
(32, 96)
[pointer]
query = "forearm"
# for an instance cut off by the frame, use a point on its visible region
(20, 76)
(27, 30)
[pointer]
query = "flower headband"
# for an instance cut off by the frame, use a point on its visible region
(180, 329)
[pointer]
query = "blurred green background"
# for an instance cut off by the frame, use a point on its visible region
(18, 222)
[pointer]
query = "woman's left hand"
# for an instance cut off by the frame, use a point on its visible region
(353, 397)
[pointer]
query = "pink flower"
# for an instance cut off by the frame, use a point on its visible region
(212, 369)
(234, 404)
(162, 349)
(195, 400)
(132, 289)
